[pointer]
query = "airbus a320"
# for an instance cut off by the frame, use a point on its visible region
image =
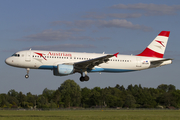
(67, 63)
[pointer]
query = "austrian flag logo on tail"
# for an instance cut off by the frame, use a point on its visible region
(40, 54)
(160, 42)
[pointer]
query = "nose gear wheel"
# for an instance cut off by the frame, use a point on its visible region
(27, 75)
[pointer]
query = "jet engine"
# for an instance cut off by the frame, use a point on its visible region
(63, 70)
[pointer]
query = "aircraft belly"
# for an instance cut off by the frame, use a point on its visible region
(109, 70)
(112, 67)
(119, 67)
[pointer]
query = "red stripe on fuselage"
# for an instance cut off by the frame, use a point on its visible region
(150, 53)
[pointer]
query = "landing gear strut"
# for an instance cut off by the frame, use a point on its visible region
(27, 75)
(85, 78)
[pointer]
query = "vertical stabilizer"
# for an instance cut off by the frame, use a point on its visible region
(157, 47)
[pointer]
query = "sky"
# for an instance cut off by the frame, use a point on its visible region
(93, 26)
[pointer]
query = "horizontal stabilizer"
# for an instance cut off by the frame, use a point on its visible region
(160, 61)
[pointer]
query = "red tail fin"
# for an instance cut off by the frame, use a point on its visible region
(157, 47)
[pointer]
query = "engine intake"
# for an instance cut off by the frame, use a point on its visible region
(63, 70)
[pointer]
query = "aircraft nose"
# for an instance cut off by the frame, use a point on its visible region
(7, 61)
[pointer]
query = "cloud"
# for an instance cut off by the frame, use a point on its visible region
(115, 23)
(76, 30)
(112, 15)
(151, 9)
(116, 15)
(84, 23)
(48, 35)
(77, 23)
(57, 35)
(67, 47)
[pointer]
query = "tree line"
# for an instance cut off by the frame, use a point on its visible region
(69, 94)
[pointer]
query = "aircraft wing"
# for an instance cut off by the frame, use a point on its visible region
(89, 64)
(156, 62)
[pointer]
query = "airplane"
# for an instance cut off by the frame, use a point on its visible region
(67, 63)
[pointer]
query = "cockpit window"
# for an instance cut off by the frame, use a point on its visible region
(16, 55)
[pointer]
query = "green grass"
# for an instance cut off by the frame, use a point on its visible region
(91, 115)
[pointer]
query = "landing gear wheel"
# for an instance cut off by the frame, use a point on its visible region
(86, 78)
(81, 79)
(26, 76)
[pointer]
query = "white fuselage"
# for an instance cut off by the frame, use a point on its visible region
(66, 63)
(36, 59)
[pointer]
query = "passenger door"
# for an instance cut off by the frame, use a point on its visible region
(138, 62)
(28, 56)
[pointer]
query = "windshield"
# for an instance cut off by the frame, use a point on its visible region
(16, 55)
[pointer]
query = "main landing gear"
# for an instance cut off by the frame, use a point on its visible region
(85, 78)
(27, 75)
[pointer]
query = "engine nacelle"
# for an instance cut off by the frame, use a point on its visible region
(63, 70)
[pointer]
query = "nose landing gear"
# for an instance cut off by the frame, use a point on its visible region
(27, 75)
